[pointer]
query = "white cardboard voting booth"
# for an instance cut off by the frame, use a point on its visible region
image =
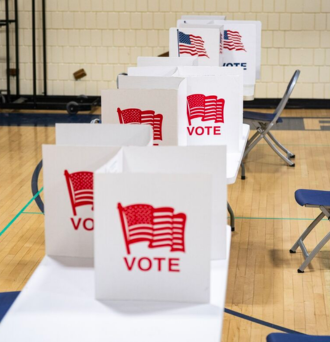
(69, 197)
(166, 61)
(213, 113)
(203, 42)
(157, 101)
(68, 181)
(151, 243)
(103, 135)
(182, 160)
(214, 106)
(241, 44)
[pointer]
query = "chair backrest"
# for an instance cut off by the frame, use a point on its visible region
(289, 89)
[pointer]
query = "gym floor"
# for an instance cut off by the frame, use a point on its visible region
(265, 293)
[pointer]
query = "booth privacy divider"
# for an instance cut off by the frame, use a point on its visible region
(166, 61)
(160, 215)
(156, 101)
(213, 108)
(68, 181)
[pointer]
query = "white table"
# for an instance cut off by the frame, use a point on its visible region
(58, 305)
(234, 160)
(248, 92)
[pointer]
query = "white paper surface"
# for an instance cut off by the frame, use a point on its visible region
(103, 134)
(164, 96)
(227, 86)
(171, 265)
(69, 205)
(250, 38)
(166, 61)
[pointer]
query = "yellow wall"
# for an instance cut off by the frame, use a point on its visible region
(105, 37)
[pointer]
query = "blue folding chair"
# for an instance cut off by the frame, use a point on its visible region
(312, 199)
(265, 122)
(280, 337)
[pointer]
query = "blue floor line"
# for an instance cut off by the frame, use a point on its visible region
(261, 322)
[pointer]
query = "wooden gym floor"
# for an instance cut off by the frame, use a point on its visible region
(263, 280)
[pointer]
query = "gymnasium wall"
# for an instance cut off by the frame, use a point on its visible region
(105, 37)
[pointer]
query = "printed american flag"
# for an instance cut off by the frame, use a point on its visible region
(161, 227)
(80, 187)
(191, 45)
(144, 117)
(233, 41)
(207, 108)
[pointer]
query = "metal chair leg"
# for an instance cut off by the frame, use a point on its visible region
(249, 142)
(250, 147)
(232, 217)
(242, 171)
(288, 161)
(309, 257)
(289, 154)
(303, 236)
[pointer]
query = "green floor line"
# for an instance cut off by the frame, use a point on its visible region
(276, 218)
(21, 211)
(32, 212)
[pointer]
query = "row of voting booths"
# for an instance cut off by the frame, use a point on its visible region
(143, 195)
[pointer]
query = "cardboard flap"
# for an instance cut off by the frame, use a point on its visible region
(151, 71)
(191, 160)
(166, 61)
(149, 82)
(151, 244)
(69, 197)
(103, 134)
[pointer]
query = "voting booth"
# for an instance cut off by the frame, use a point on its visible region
(166, 61)
(68, 182)
(151, 242)
(241, 44)
(155, 101)
(214, 106)
(213, 113)
(203, 42)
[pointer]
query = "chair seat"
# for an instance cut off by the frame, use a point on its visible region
(313, 197)
(260, 116)
(279, 337)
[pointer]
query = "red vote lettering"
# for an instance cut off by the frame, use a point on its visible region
(85, 224)
(217, 130)
(171, 264)
(148, 267)
(77, 224)
(145, 264)
(200, 130)
(129, 266)
(159, 263)
(208, 130)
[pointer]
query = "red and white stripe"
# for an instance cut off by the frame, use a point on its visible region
(234, 41)
(196, 48)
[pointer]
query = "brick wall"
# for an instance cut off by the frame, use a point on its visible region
(105, 37)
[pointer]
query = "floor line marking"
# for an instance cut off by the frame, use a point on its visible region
(20, 212)
(277, 218)
(261, 322)
(32, 213)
